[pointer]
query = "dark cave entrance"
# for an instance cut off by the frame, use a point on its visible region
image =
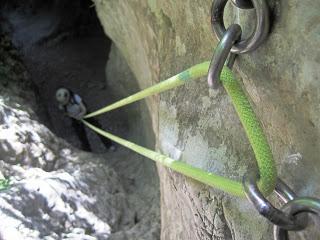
(63, 45)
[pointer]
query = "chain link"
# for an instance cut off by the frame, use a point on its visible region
(293, 216)
(266, 209)
(221, 53)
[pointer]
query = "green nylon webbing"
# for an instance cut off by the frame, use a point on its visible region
(192, 73)
(258, 141)
(225, 184)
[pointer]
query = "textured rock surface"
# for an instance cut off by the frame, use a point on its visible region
(58, 191)
(199, 126)
(86, 199)
(138, 175)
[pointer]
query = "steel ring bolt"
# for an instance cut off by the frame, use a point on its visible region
(297, 207)
(261, 27)
(244, 4)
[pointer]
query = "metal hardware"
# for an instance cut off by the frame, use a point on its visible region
(244, 4)
(284, 191)
(296, 207)
(221, 54)
(266, 209)
(256, 38)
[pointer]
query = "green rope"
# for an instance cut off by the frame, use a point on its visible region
(258, 141)
(225, 184)
(253, 129)
(192, 73)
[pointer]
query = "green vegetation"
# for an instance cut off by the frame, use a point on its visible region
(4, 184)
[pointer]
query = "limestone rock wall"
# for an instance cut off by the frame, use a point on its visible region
(138, 174)
(58, 191)
(159, 38)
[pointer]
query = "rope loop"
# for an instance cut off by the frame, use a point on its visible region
(229, 45)
(250, 122)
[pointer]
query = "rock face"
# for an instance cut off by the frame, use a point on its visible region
(58, 191)
(138, 175)
(62, 204)
(199, 126)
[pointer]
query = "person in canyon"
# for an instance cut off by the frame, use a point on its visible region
(74, 107)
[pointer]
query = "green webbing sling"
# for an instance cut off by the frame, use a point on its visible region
(257, 139)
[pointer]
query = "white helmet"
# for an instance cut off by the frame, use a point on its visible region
(63, 96)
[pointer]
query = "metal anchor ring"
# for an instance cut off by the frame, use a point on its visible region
(296, 207)
(261, 27)
(221, 53)
(243, 4)
(266, 209)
